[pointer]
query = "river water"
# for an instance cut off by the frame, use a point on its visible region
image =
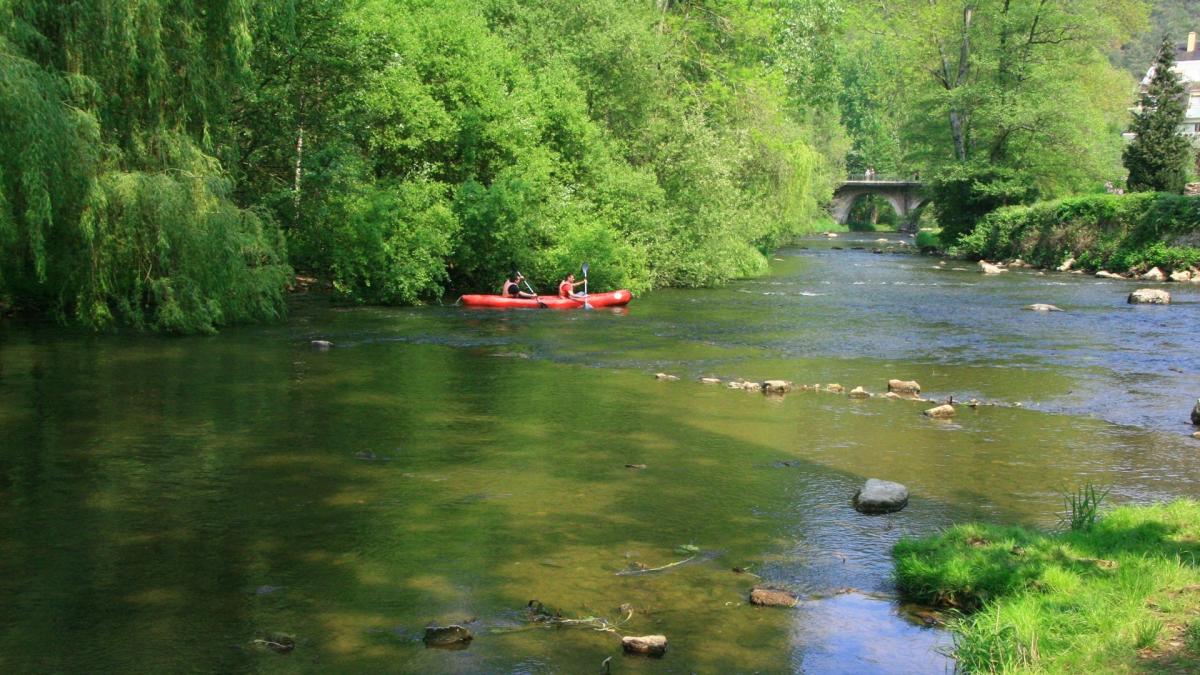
(166, 502)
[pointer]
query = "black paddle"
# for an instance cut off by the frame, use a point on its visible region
(541, 304)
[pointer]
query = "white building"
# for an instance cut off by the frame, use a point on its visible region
(1187, 64)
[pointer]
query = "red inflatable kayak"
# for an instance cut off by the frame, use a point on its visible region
(610, 299)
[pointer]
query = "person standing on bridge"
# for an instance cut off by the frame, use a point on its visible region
(870, 173)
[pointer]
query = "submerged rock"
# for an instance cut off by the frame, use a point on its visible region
(904, 386)
(1041, 307)
(940, 412)
(321, 345)
(834, 388)
(710, 380)
(650, 645)
(772, 597)
(859, 392)
(776, 386)
(880, 496)
(1149, 296)
(447, 636)
(988, 268)
(666, 377)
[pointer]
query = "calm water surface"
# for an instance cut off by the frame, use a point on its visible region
(166, 502)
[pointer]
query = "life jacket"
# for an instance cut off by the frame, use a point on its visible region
(564, 289)
(511, 289)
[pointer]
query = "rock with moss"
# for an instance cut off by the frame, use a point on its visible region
(772, 597)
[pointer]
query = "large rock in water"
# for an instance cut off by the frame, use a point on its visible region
(988, 268)
(941, 412)
(880, 496)
(651, 645)
(1196, 413)
(772, 597)
(1154, 274)
(1042, 307)
(776, 386)
(904, 386)
(1149, 296)
(447, 636)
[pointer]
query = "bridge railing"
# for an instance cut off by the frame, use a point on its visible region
(883, 178)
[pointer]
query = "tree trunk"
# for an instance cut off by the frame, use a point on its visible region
(299, 169)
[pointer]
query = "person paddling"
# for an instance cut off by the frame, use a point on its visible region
(566, 289)
(512, 287)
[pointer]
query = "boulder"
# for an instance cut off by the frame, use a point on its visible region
(1149, 296)
(710, 380)
(1018, 263)
(1196, 413)
(859, 392)
(1067, 265)
(447, 636)
(1181, 275)
(1104, 274)
(831, 235)
(941, 412)
(834, 388)
(776, 386)
(1154, 274)
(904, 386)
(880, 496)
(666, 377)
(1196, 435)
(651, 645)
(988, 268)
(752, 386)
(1040, 307)
(772, 597)
(321, 345)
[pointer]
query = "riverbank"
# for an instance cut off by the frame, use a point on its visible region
(1119, 596)
(1125, 234)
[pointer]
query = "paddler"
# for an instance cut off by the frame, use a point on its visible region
(512, 287)
(566, 289)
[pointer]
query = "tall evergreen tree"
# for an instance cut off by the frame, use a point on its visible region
(1158, 156)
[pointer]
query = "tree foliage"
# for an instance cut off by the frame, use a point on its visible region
(1158, 156)
(155, 152)
(1021, 88)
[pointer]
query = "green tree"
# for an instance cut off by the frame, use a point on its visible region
(1158, 156)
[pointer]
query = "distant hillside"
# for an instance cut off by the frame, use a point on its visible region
(1174, 18)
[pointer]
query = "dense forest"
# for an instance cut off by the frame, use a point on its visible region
(169, 164)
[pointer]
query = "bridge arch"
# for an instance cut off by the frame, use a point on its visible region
(903, 195)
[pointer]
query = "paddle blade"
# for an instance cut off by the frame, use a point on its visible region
(585, 269)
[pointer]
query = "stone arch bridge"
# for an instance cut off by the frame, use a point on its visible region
(904, 195)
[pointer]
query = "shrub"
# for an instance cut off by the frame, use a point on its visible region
(1130, 232)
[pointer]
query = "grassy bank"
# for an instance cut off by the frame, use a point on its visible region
(1118, 233)
(1120, 596)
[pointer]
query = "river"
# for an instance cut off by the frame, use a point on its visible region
(166, 502)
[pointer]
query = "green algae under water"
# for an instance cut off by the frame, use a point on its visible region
(165, 502)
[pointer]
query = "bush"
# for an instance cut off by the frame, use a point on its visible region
(963, 194)
(1121, 233)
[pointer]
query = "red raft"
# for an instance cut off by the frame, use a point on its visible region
(610, 299)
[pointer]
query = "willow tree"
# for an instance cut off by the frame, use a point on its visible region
(112, 205)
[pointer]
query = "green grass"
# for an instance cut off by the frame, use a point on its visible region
(1120, 596)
